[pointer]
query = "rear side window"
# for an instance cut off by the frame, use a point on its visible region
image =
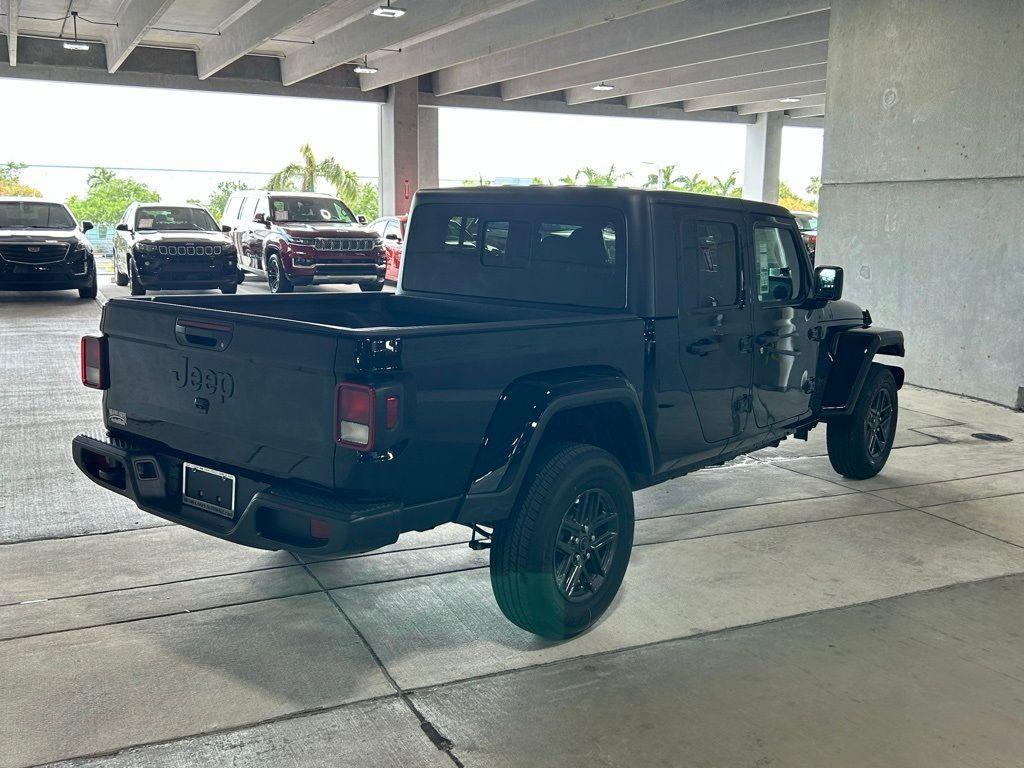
(550, 254)
(713, 254)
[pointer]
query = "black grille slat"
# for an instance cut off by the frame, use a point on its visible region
(34, 253)
(343, 244)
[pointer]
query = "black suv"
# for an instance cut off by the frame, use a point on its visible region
(548, 352)
(43, 249)
(173, 246)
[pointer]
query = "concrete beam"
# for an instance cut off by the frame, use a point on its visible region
(710, 51)
(371, 33)
(670, 24)
(794, 76)
(427, 142)
(806, 112)
(135, 20)
(763, 158)
(13, 10)
(774, 105)
(559, 107)
(755, 96)
(399, 148)
(702, 72)
(539, 20)
(252, 29)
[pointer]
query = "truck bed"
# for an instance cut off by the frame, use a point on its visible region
(247, 383)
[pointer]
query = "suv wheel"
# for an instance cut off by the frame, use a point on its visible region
(276, 278)
(371, 286)
(859, 444)
(120, 278)
(558, 560)
(89, 292)
(135, 286)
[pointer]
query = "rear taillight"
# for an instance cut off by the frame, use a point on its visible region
(354, 416)
(368, 418)
(95, 369)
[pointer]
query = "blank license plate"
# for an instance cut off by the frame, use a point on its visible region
(208, 489)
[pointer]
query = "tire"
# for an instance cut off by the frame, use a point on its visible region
(229, 288)
(135, 287)
(371, 287)
(89, 292)
(859, 444)
(276, 278)
(536, 553)
(120, 278)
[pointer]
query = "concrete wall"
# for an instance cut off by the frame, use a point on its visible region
(923, 182)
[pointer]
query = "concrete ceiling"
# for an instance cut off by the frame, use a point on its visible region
(689, 59)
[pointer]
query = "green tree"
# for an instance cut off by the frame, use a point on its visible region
(789, 199)
(11, 184)
(594, 178)
(367, 201)
(664, 178)
(219, 197)
(303, 176)
(814, 187)
(480, 181)
(108, 196)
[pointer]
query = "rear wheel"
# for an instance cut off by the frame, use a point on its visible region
(135, 286)
(559, 559)
(859, 444)
(276, 278)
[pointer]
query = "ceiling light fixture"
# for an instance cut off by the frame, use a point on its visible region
(77, 45)
(388, 11)
(364, 68)
(789, 100)
(603, 87)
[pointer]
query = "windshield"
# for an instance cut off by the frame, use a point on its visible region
(166, 218)
(28, 215)
(806, 222)
(310, 209)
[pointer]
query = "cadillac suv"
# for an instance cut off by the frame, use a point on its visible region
(43, 249)
(304, 238)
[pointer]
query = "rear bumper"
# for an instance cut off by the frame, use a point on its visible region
(267, 515)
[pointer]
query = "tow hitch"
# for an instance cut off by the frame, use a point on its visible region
(484, 540)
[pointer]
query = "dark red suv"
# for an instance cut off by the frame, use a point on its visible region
(302, 238)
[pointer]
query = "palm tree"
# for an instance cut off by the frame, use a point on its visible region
(727, 187)
(303, 176)
(594, 178)
(665, 178)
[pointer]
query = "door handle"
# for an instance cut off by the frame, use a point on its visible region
(703, 347)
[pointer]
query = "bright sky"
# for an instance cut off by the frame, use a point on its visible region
(227, 135)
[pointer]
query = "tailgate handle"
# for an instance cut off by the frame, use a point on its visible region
(198, 333)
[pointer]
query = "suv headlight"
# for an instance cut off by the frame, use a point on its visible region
(146, 248)
(310, 241)
(378, 243)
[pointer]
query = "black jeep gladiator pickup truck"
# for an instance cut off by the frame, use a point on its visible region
(548, 352)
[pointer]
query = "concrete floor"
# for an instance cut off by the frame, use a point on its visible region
(774, 614)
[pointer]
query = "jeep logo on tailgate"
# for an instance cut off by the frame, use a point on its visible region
(205, 380)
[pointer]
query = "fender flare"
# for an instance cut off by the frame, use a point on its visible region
(852, 352)
(516, 430)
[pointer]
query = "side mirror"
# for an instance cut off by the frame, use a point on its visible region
(828, 284)
(393, 236)
(260, 218)
(121, 228)
(225, 228)
(86, 226)
(361, 219)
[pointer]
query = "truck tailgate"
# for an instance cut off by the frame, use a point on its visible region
(247, 391)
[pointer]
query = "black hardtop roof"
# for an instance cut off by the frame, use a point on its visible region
(619, 197)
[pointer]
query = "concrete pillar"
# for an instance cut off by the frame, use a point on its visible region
(427, 141)
(923, 183)
(399, 147)
(763, 157)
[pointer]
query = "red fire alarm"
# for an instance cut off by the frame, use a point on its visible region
(406, 189)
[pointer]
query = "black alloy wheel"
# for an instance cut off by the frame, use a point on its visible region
(583, 548)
